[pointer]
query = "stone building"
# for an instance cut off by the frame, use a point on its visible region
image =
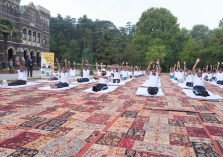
(32, 22)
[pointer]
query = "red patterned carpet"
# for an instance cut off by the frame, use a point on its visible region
(73, 123)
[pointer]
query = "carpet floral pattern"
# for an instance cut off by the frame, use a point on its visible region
(118, 124)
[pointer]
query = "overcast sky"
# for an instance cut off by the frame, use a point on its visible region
(188, 12)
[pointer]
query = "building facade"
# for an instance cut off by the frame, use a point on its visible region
(32, 22)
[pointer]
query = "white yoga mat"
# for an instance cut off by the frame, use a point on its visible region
(142, 91)
(146, 84)
(90, 81)
(47, 81)
(215, 84)
(183, 86)
(48, 88)
(109, 90)
(122, 83)
(212, 96)
(74, 77)
(28, 84)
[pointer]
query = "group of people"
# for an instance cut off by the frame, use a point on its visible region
(29, 64)
(196, 77)
(104, 75)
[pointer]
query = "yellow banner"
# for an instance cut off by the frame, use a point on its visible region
(47, 64)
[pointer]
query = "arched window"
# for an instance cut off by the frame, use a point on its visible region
(44, 40)
(24, 34)
(38, 37)
(34, 36)
(30, 35)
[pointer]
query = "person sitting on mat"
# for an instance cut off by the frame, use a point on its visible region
(102, 82)
(55, 75)
(86, 72)
(209, 73)
(171, 73)
(219, 75)
(64, 75)
(180, 75)
(124, 72)
(154, 76)
(117, 74)
(135, 72)
(72, 71)
(189, 78)
(22, 76)
(98, 70)
(130, 72)
(199, 81)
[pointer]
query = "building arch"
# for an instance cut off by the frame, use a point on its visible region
(11, 51)
(38, 58)
(29, 35)
(24, 33)
(26, 53)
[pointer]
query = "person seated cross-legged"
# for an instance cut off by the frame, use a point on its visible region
(86, 73)
(199, 81)
(117, 74)
(22, 76)
(219, 75)
(102, 82)
(189, 79)
(64, 76)
(153, 80)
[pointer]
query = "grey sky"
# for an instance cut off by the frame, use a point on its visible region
(188, 12)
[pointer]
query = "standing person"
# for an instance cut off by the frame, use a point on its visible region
(11, 68)
(29, 63)
(154, 76)
(199, 81)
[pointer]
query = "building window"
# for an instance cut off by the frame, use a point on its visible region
(44, 40)
(38, 37)
(30, 35)
(24, 34)
(34, 36)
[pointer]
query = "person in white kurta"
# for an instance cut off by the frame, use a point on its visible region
(64, 75)
(199, 81)
(153, 78)
(22, 76)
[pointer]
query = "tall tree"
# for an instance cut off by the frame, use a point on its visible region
(158, 23)
(6, 28)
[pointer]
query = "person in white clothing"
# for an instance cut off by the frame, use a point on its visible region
(64, 75)
(117, 74)
(189, 79)
(102, 82)
(199, 81)
(209, 73)
(219, 75)
(172, 73)
(86, 72)
(124, 72)
(22, 76)
(72, 70)
(154, 76)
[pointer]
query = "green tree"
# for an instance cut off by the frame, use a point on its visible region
(6, 28)
(158, 23)
(200, 33)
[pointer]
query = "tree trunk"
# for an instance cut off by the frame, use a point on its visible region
(5, 45)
